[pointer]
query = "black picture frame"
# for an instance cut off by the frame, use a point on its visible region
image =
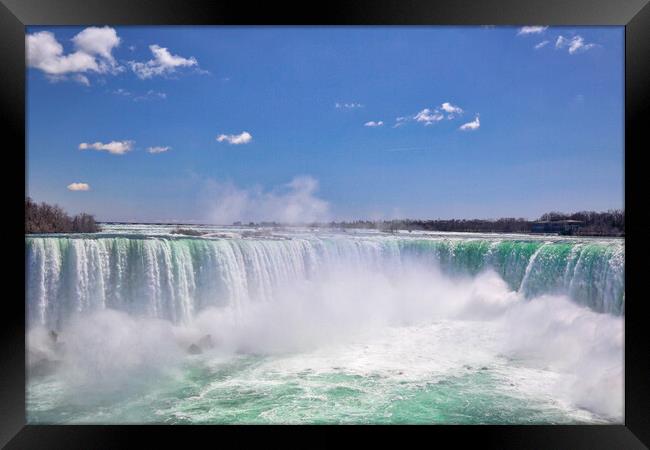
(15, 15)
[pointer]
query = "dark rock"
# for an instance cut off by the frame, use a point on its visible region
(43, 367)
(206, 342)
(188, 232)
(194, 350)
(54, 336)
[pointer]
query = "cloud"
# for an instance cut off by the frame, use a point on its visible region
(45, 53)
(113, 147)
(348, 105)
(428, 116)
(293, 202)
(81, 79)
(100, 42)
(473, 125)
(78, 187)
(235, 139)
(523, 31)
(151, 95)
(372, 123)
(122, 91)
(93, 53)
(575, 44)
(155, 150)
(541, 44)
(449, 108)
(399, 121)
(163, 63)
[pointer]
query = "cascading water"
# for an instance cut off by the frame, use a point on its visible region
(173, 278)
(310, 326)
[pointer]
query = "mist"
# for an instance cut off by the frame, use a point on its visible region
(293, 202)
(464, 321)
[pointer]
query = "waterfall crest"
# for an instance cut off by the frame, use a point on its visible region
(174, 278)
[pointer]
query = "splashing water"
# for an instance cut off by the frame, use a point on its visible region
(324, 327)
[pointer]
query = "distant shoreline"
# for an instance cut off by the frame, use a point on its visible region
(500, 226)
(51, 219)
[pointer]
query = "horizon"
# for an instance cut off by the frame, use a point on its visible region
(209, 125)
(397, 219)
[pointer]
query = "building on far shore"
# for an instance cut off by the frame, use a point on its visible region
(556, 226)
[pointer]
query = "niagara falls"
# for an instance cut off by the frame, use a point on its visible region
(304, 326)
(315, 225)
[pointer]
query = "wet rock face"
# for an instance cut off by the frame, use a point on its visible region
(203, 344)
(46, 360)
(194, 350)
(206, 342)
(43, 367)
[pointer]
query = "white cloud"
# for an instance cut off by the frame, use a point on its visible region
(155, 150)
(243, 138)
(372, 123)
(94, 47)
(113, 147)
(399, 121)
(122, 91)
(541, 44)
(150, 95)
(163, 63)
(81, 79)
(449, 108)
(45, 53)
(294, 202)
(428, 116)
(351, 105)
(100, 42)
(78, 187)
(523, 31)
(575, 44)
(473, 125)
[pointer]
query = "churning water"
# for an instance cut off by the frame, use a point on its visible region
(137, 325)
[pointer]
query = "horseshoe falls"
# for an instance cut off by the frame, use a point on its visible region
(309, 326)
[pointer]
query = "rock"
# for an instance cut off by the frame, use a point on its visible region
(194, 350)
(54, 336)
(43, 367)
(206, 342)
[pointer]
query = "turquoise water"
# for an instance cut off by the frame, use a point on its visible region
(311, 388)
(320, 327)
(338, 398)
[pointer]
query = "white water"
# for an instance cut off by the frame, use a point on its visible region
(127, 308)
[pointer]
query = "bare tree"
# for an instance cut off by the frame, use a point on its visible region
(44, 218)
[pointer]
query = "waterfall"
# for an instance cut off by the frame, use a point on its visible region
(175, 277)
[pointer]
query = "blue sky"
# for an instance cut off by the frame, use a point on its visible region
(217, 124)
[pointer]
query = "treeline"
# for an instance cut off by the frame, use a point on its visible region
(504, 225)
(609, 223)
(590, 223)
(44, 218)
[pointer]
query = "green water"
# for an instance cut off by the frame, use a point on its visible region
(325, 328)
(366, 382)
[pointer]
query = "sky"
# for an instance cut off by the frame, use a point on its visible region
(300, 124)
